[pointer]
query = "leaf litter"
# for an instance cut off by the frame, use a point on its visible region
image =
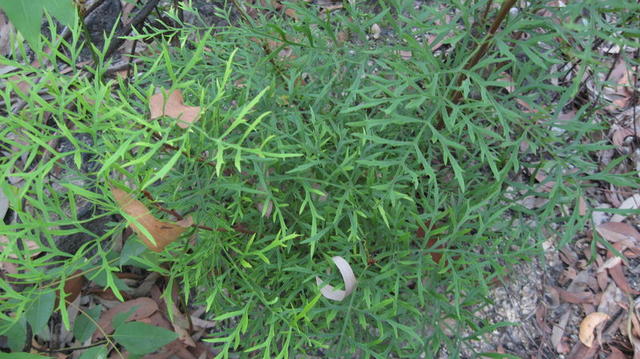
(162, 233)
(172, 105)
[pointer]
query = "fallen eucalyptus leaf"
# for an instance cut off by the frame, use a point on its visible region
(617, 231)
(588, 324)
(632, 202)
(173, 106)
(163, 233)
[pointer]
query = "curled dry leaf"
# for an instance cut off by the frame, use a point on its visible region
(619, 135)
(265, 211)
(201, 323)
(6, 31)
(621, 93)
(348, 277)
(173, 107)
(163, 232)
(589, 324)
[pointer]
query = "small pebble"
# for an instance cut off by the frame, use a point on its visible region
(375, 31)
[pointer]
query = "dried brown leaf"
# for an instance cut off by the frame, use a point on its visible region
(582, 206)
(173, 106)
(435, 255)
(619, 135)
(73, 286)
(584, 297)
(180, 325)
(633, 202)
(636, 346)
(6, 31)
(609, 263)
(157, 320)
(619, 278)
(541, 315)
(557, 333)
(163, 232)
(291, 13)
(509, 84)
(145, 307)
(616, 354)
(580, 351)
(201, 323)
(589, 324)
(617, 231)
(603, 280)
(609, 299)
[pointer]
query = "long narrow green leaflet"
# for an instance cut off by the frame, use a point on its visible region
(26, 15)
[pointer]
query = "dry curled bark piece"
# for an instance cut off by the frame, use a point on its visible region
(348, 277)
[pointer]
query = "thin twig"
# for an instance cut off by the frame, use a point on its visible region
(486, 11)
(482, 49)
(137, 20)
(175, 214)
(61, 350)
(634, 95)
(238, 227)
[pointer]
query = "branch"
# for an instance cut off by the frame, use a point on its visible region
(137, 20)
